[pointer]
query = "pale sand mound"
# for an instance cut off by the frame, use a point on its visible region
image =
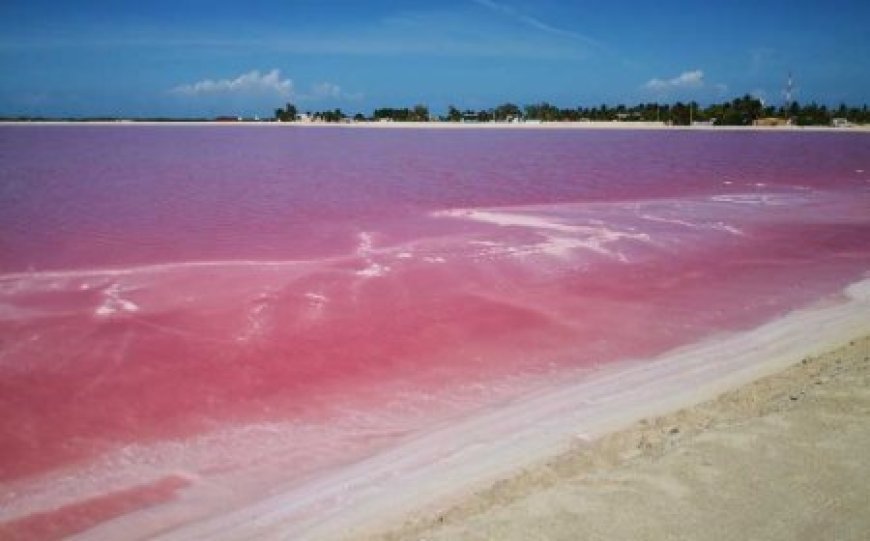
(786, 457)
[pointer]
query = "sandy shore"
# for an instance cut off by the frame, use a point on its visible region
(784, 457)
(523, 461)
(592, 125)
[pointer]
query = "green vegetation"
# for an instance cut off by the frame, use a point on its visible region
(287, 114)
(743, 111)
(419, 113)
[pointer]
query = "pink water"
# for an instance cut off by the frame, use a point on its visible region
(249, 307)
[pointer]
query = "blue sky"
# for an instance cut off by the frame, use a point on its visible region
(188, 58)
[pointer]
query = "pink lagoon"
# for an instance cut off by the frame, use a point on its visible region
(270, 331)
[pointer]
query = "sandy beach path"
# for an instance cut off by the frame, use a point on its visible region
(784, 457)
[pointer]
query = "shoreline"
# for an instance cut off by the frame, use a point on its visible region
(779, 458)
(448, 465)
(591, 125)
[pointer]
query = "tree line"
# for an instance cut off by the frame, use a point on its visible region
(743, 111)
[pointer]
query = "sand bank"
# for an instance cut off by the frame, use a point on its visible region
(454, 473)
(592, 125)
(781, 458)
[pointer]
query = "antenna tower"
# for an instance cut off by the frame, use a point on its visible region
(788, 93)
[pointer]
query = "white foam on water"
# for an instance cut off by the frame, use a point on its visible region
(128, 306)
(316, 304)
(316, 298)
(17, 278)
(364, 247)
(560, 238)
(769, 199)
(258, 320)
(433, 466)
(255, 325)
(373, 270)
(113, 303)
(720, 226)
(675, 221)
(506, 219)
(136, 464)
(484, 243)
(741, 199)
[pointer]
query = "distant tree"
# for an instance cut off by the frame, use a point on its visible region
(287, 114)
(542, 111)
(749, 108)
(814, 115)
(727, 114)
(382, 114)
(389, 113)
(332, 116)
(420, 113)
(744, 110)
(485, 115)
(533, 111)
(680, 114)
(453, 114)
(700, 113)
(794, 110)
(507, 111)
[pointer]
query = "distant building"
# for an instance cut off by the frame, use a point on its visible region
(772, 121)
(627, 117)
(840, 122)
(711, 122)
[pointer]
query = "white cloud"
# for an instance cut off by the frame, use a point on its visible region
(325, 90)
(268, 84)
(252, 82)
(532, 22)
(687, 79)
